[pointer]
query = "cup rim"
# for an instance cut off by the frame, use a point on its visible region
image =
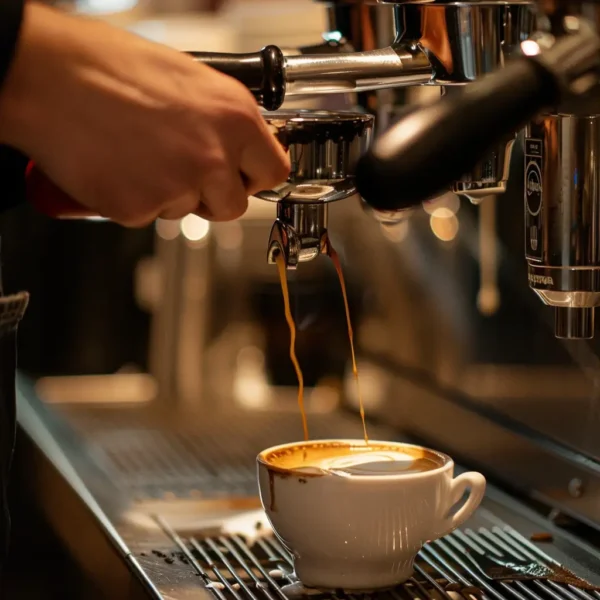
(447, 461)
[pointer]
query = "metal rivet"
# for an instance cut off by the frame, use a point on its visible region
(576, 487)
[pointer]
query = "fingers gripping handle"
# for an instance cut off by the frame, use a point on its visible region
(475, 482)
(263, 73)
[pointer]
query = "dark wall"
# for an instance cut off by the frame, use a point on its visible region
(83, 317)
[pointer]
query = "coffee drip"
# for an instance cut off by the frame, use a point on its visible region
(338, 267)
(281, 267)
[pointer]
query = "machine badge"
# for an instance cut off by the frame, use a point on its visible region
(534, 195)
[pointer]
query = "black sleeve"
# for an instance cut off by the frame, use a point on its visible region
(12, 163)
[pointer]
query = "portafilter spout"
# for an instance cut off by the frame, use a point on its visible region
(324, 148)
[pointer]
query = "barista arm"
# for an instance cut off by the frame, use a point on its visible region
(19, 180)
(12, 162)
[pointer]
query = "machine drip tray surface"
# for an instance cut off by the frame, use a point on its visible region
(212, 456)
(191, 549)
(232, 567)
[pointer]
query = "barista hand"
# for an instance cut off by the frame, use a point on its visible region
(131, 129)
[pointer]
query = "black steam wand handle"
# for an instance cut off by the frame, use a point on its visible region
(263, 72)
(437, 144)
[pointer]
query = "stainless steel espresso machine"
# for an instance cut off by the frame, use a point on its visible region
(469, 146)
(156, 497)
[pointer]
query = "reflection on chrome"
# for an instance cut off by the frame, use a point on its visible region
(444, 224)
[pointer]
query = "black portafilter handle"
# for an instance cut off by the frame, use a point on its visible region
(263, 72)
(421, 155)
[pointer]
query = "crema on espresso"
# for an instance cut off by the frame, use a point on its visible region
(347, 459)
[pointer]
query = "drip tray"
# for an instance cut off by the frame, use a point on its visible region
(242, 560)
(189, 528)
(205, 456)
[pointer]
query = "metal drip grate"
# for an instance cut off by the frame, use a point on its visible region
(213, 457)
(232, 570)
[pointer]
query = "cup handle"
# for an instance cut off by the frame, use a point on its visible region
(476, 483)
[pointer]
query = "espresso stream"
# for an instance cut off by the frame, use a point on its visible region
(335, 259)
(280, 261)
(290, 320)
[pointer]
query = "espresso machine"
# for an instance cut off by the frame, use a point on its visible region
(161, 492)
(467, 136)
(370, 55)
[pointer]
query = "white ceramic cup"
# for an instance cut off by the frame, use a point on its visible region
(362, 532)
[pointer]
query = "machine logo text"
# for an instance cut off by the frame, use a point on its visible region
(541, 279)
